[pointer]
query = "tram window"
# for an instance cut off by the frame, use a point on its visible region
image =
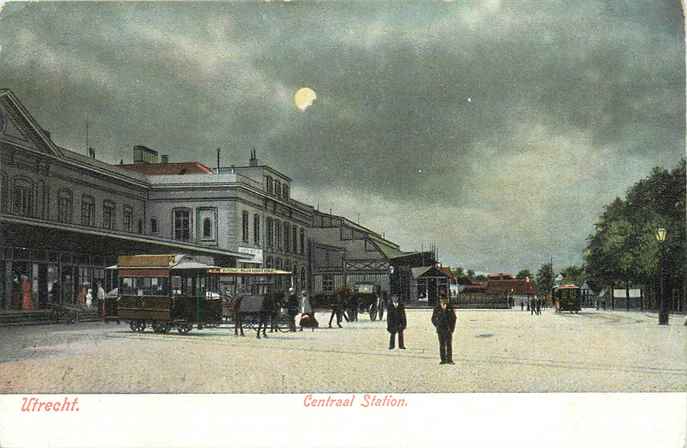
(144, 286)
(176, 285)
(126, 286)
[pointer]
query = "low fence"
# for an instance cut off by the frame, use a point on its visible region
(481, 301)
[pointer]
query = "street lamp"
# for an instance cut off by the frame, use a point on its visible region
(661, 234)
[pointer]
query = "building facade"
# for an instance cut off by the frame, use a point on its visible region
(343, 253)
(64, 217)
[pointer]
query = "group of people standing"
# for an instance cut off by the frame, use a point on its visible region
(270, 311)
(534, 306)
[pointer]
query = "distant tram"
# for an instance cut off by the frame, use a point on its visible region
(567, 298)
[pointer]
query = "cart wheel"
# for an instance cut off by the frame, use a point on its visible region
(373, 313)
(184, 328)
(132, 325)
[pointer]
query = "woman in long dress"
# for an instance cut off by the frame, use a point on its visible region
(26, 303)
(306, 310)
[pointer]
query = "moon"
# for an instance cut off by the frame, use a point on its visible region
(304, 98)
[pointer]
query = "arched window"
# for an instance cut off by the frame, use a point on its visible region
(4, 193)
(87, 210)
(22, 196)
(128, 218)
(207, 228)
(256, 229)
(182, 224)
(108, 215)
(65, 206)
(287, 237)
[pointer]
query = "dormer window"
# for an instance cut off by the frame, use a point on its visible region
(277, 188)
(270, 184)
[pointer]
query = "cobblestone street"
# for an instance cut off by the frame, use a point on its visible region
(494, 351)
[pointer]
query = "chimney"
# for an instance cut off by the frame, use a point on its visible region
(164, 158)
(253, 161)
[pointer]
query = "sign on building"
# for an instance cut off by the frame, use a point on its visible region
(257, 255)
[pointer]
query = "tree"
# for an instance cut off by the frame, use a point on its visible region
(623, 247)
(573, 274)
(525, 273)
(471, 274)
(545, 279)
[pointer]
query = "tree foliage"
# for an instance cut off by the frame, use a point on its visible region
(524, 274)
(545, 279)
(623, 247)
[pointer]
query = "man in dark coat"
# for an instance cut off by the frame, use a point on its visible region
(444, 319)
(236, 315)
(266, 311)
(292, 309)
(337, 305)
(353, 314)
(277, 303)
(538, 306)
(396, 322)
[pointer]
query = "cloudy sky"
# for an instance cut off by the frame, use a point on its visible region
(497, 129)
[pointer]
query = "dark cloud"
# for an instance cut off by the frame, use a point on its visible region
(498, 129)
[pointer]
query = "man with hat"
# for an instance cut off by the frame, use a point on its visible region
(444, 319)
(292, 309)
(396, 323)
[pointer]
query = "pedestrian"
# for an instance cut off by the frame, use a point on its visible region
(353, 315)
(381, 304)
(444, 320)
(522, 305)
(26, 303)
(307, 315)
(396, 323)
(292, 309)
(538, 306)
(100, 296)
(337, 304)
(277, 304)
(56, 298)
(236, 315)
(266, 311)
(533, 307)
(89, 298)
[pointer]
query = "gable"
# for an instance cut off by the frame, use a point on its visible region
(18, 128)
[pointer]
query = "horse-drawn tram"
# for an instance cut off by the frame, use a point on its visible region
(567, 298)
(164, 292)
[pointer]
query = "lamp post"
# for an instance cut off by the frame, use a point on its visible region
(661, 234)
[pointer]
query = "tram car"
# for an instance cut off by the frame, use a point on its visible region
(164, 292)
(567, 298)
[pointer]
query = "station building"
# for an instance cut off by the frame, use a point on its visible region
(65, 217)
